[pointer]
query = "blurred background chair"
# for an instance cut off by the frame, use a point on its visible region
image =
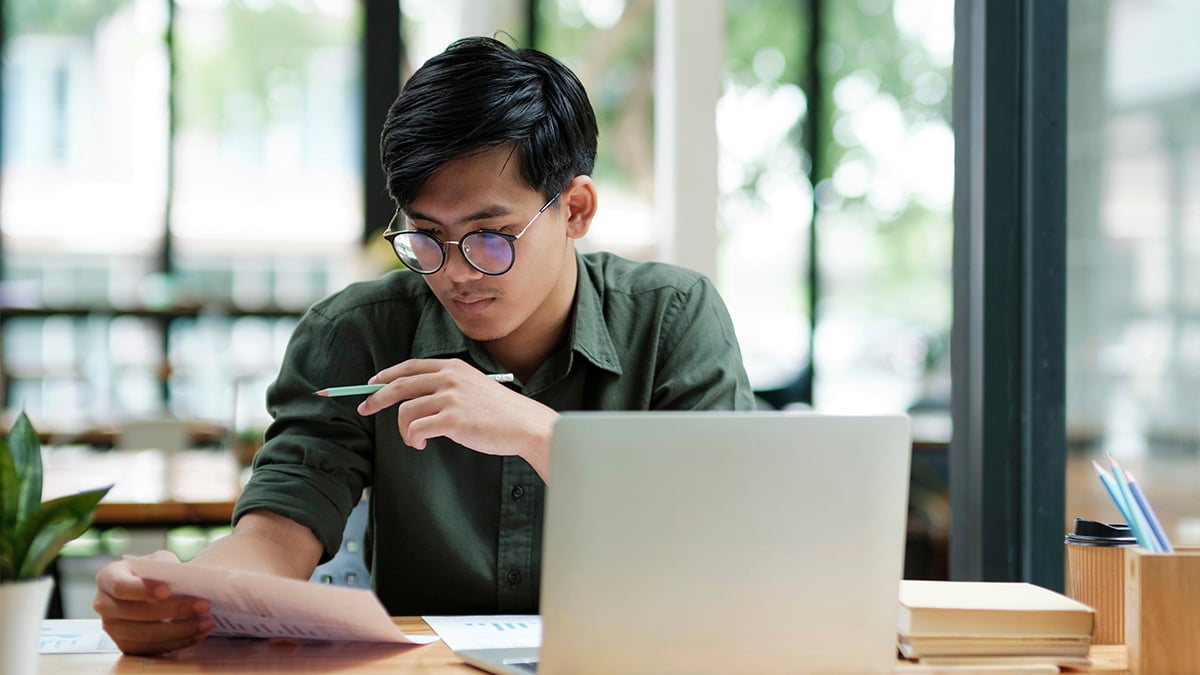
(347, 567)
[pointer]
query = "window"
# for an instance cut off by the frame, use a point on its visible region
(1133, 310)
(884, 227)
(179, 181)
(610, 46)
(766, 203)
(884, 197)
(182, 165)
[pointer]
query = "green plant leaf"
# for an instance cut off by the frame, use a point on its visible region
(10, 491)
(41, 537)
(26, 452)
(8, 566)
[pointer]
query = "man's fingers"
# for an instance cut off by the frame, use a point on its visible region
(173, 608)
(163, 554)
(118, 580)
(142, 616)
(135, 589)
(138, 637)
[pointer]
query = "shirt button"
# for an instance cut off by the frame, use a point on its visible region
(517, 492)
(514, 577)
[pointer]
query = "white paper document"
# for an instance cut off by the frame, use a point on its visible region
(488, 632)
(257, 605)
(74, 636)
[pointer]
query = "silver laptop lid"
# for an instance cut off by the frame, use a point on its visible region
(684, 542)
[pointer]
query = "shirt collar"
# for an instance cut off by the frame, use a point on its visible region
(589, 330)
(437, 335)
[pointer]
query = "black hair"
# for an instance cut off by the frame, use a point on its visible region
(478, 95)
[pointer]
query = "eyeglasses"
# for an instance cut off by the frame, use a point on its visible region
(489, 252)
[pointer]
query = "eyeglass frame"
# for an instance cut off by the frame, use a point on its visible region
(390, 235)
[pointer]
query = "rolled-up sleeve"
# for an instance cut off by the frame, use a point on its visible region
(317, 455)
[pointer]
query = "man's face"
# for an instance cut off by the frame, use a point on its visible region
(484, 192)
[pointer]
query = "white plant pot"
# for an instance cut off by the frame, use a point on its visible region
(22, 608)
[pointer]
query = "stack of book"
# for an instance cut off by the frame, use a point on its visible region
(948, 623)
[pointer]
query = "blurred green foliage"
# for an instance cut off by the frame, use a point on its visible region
(239, 67)
(59, 17)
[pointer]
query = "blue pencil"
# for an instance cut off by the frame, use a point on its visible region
(1139, 523)
(1144, 504)
(1115, 493)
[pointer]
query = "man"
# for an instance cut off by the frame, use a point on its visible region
(488, 153)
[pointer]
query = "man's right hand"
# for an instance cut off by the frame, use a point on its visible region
(142, 616)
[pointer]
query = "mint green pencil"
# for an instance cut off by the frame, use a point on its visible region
(364, 389)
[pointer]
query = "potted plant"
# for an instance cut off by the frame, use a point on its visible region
(31, 535)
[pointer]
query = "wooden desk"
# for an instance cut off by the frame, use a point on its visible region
(262, 656)
(259, 656)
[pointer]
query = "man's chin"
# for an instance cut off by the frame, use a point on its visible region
(485, 338)
(480, 333)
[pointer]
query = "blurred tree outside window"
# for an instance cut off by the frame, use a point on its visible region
(766, 202)
(884, 207)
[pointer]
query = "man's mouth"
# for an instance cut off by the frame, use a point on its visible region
(473, 304)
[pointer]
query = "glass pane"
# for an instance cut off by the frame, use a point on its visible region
(610, 46)
(268, 145)
(1133, 311)
(884, 220)
(766, 197)
(428, 26)
(85, 144)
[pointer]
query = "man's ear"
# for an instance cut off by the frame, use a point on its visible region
(579, 201)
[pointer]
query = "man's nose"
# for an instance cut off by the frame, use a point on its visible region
(457, 268)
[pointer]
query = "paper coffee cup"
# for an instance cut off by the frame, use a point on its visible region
(1095, 559)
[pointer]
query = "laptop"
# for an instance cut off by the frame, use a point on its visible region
(720, 542)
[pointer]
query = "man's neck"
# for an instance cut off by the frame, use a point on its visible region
(523, 351)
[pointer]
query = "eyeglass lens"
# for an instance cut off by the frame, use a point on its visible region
(487, 252)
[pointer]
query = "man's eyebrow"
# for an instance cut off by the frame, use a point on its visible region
(486, 213)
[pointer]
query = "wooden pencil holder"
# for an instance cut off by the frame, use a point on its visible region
(1162, 611)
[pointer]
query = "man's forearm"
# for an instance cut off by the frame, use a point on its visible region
(266, 543)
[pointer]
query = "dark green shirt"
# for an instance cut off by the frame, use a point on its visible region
(451, 530)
